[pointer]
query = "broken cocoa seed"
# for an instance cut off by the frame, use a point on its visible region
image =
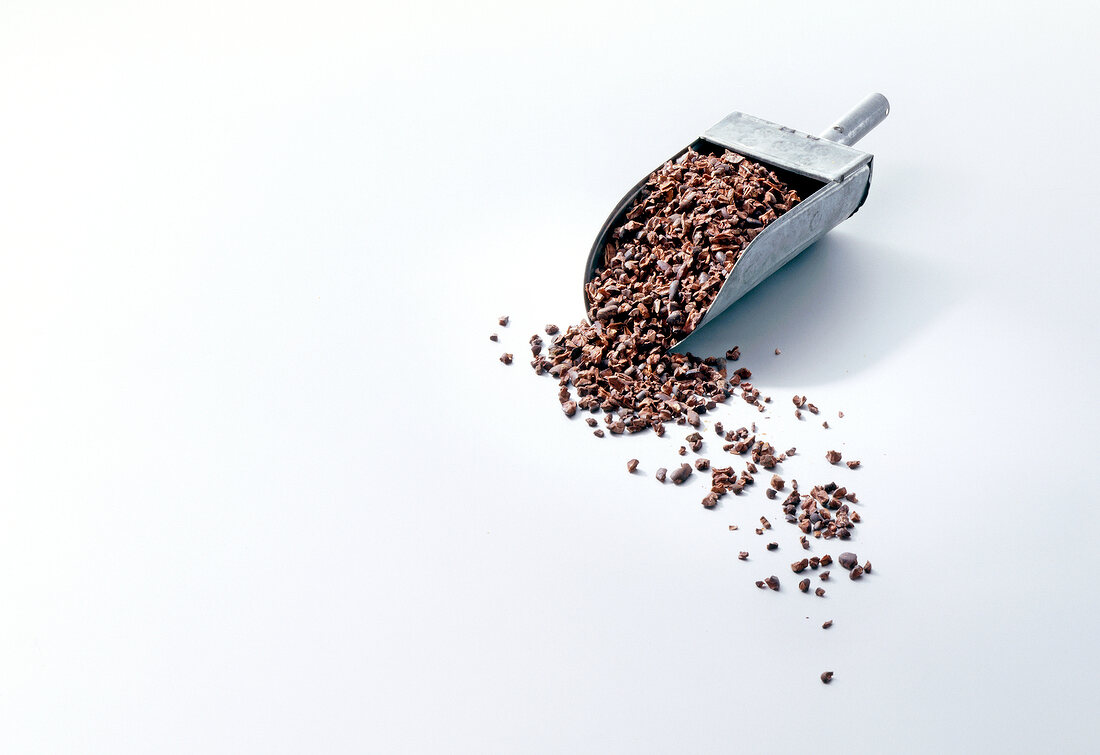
(826, 677)
(848, 560)
(772, 582)
(743, 555)
(832, 456)
(827, 624)
(506, 358)
(661, 472)
(631, 465)
(820, 592)
(856, 572)
(854, 464)
(503, 321)
(804, 585)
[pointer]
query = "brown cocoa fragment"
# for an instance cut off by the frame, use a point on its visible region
(825, 576)
(773, 546)
(853, 464)
(772, 582)
(743, 555)
(680, 474)
(661, 472)
(702, 464)
(799, 566)
(826, 677)
(826, 560)
(503, 321)
(493, 337)
(591, 421)
(867, 567)
(827, 624)
(813, 409)
(805, 543)
(804, 585)
(551, 330)
(825, 425)
(760, 584)
(848, 560)
(832, 456)
(820, 592)
(631, 465)
(570, 408)
(764, 521)
(598, 433)
(777, 351)
(710, 500)
(506, 358)
(759, 531)
(733, 354)
(856, 572)
(798, 401)
(770, 493)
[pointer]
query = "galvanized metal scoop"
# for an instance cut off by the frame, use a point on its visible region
(832, 177)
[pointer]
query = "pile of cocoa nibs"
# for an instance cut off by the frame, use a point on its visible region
(660, 272)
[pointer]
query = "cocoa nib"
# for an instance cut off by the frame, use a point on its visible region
(772, 582)
(804, 585)
(826, 676)
(680, 474)
(853, 464)
(743, 555)
(827, 624)
(631, 465)
(503, 321)
(506, 358)
(661, 472)
(847, 560)
(833, 456)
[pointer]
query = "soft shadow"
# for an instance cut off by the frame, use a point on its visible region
(839, 307)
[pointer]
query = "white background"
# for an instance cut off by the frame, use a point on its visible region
(264, 486)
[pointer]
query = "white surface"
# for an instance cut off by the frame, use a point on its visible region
(265, 488)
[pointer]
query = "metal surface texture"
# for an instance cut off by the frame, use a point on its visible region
(835, 181)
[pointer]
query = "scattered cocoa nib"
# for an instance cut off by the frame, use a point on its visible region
(826, 676)
(683, 451)
(777, 482)
(804, 585)
(825, 576)
(760, 583)
(503, 321)
(833, 456)
(506, 358)
(826, 560)
(661, 472)
(791, 450)
(827, 624)
(680, 474)
(867, 567)
(798, 401)
(853, 464)
(825, 425)
(631, 465)
(772, 582)
(733, 527)
(591, 421)
(820, 592)
(772, 546)
(856, 572)
(777, 351)
(551, 330)
(702, 464)
(710, 500)
(805, 542)
(759, 531)
(718, 428)
(598, 433)
(764, 521)
(770, 493)
(743, 555)
(733, 354)
(798, 566)
(813, 409)
(848, 560)
(840, 414)
(493, 337)
(570, 408)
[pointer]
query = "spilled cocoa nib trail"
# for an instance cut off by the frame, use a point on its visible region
(659, 274)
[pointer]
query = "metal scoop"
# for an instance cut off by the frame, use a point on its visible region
(832, 178)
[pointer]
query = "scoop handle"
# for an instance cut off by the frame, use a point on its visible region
(870, 112)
